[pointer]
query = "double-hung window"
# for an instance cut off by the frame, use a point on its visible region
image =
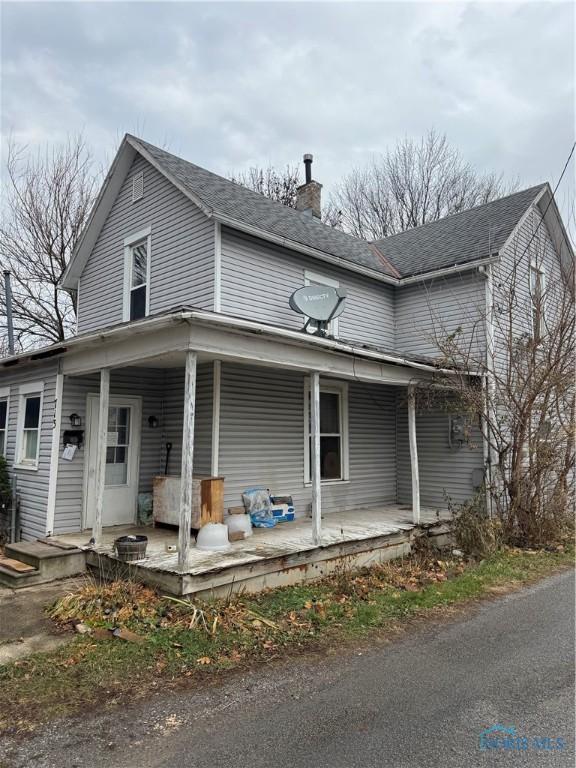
(137, 254)
(537, 295)
(4, 395)
(333, 432)
(29, 425)
(314, 278)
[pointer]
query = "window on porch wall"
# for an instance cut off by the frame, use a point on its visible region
(333, 434)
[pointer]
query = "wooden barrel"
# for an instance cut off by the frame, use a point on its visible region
(129, 548)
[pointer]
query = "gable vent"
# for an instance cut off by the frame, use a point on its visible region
(137, 186)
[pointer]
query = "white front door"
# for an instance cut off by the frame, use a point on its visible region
(122, 460)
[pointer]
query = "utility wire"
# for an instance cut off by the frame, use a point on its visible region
(551, 199)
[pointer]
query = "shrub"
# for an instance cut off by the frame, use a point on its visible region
(475, 532)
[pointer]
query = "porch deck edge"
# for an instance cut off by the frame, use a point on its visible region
(288, 568)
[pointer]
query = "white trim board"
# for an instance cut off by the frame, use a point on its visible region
(54, 455)
(217, 267)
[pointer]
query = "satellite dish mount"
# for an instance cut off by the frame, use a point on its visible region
(320, 304)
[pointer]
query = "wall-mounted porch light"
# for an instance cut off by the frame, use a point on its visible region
(152, 422)
(75, 420)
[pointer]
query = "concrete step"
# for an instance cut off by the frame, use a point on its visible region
(51, 562)
(18, 579)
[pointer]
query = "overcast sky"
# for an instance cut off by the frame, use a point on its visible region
(233, 85)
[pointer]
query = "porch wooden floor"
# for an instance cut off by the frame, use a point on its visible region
(287, 542)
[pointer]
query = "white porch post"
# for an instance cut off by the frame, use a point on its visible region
(100, 468)
(187, 461)
(315, 454)
(413, 455)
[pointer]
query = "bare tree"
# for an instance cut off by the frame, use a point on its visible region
(47, 200)
(410, 185)
(280, 186)
(527, 401)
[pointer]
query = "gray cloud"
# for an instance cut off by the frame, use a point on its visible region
(230, 85)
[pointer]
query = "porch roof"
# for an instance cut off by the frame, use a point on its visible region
(162, 340)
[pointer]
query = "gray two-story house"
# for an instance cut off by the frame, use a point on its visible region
(189, 360)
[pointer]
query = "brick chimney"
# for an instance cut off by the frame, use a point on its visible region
(309, 195)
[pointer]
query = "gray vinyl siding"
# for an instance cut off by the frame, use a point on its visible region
(258, 279)
(262, 440)
(162, 393)
(430, 311)
(32, 485)
(514, 270)
(173, 409)
(182, 248)
(445, 472)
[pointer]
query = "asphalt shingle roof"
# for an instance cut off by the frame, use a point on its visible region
(230, 199)
(457, 239)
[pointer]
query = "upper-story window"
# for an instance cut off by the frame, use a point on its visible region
(137, 255)
(3, 420)
(537, 297)
(29, 423)
(315, 278)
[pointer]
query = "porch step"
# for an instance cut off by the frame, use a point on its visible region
(48, 561)
(16, 574)
(16, 565)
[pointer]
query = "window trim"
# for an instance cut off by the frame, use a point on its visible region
(129, 243)
(310, 278)
(30, 389)
(538, 269)
(335, 387)
(5, 395)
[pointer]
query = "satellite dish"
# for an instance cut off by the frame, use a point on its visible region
(321, 303)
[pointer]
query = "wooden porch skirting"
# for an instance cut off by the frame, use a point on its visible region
(271, 557)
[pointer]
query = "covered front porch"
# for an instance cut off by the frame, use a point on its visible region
(215, 396)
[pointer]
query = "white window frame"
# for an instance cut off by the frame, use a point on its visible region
(30, 389)
(538, 269)
(5, 396)
(129, 242)
(314, 278)
(335, 387)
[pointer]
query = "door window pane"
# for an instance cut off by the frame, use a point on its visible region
(117, 453)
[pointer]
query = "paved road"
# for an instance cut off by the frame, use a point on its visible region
(416, 703)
